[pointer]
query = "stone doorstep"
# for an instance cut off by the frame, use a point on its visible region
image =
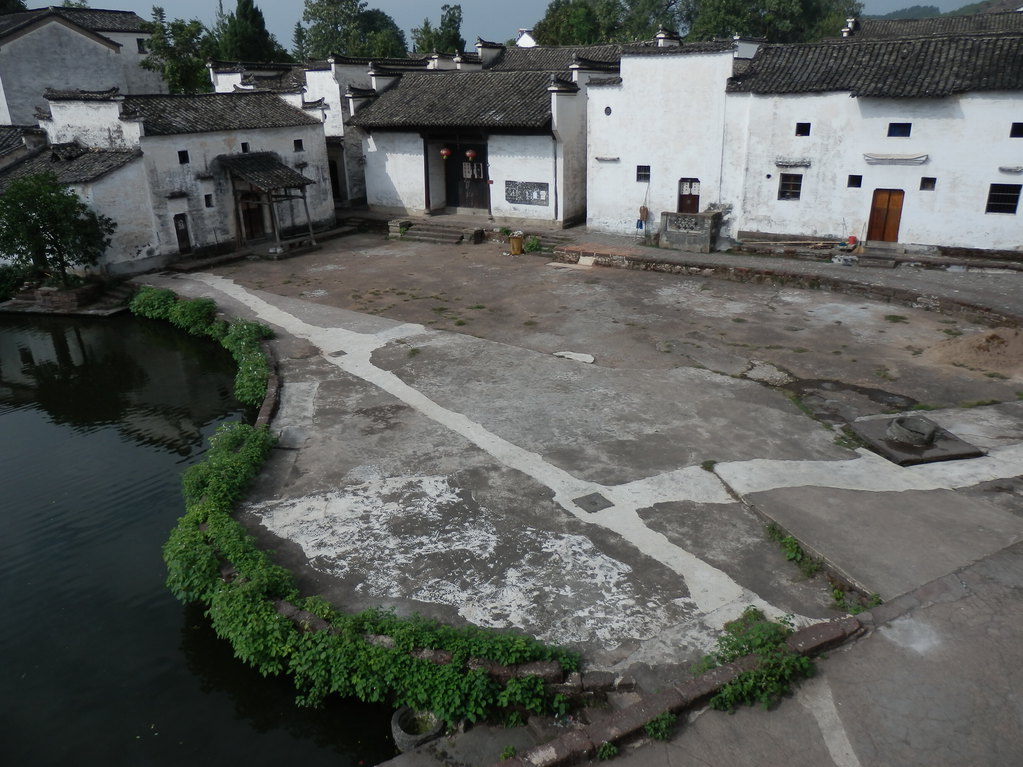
(574, 746)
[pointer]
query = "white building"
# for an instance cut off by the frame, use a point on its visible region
(916, 140)
(66, 48)
(187, 175)
(507, 141)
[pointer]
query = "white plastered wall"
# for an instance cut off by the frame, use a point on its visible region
(394, 172)
(519, 166)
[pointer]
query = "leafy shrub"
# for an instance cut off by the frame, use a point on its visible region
(193, 315)
(661, 726)
(153, 303)
(607, 750)
(532, 244)
(753, 633)
(12, 276)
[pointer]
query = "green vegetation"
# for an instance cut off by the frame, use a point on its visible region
(213, 560)
(754, 634)
(979, 403)
(607, 750)
(198, 317)
(661, 726)
(853, 602)
(808, 566)
(508, 752)
(12, 277)
(896, 318)
(532, 244)
(708, 465)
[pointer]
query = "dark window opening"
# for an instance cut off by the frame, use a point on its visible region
(141, 43)
(1016, 131)
(642, 173)
(927, 183)
(900, 130)
(802, 129)
(183, 157)
(299, 146)
(245, 147)
(855, 181)
(789, 186)
(1003, 198)
(208, 199)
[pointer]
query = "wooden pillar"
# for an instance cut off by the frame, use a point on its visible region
(308, 218)
(274, 222)
(426, 175)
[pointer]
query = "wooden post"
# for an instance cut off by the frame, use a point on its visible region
(308, 218)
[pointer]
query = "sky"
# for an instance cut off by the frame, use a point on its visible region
(496, 20)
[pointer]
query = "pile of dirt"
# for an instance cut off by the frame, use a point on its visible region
(999, 350)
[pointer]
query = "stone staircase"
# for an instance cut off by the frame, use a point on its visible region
(425, 231)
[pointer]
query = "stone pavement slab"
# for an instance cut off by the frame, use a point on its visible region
(890, 543)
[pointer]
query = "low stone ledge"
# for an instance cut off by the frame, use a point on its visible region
(549, 671)
(598, 681)
(569, 748)
(822, 636)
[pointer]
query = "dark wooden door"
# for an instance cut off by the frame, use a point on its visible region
(181, 229)
(252, 217)
(466, 177)
(689, 195)
(885, 215)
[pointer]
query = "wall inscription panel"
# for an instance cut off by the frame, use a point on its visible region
(527, 193)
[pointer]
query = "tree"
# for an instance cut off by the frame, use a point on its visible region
(178, 50)
(300, 43)
(583, 22)
(777, 21)
(245, 37)
(45, 226)
(378, 36)
(333, 25)
(12, 6)
(446, 37)
(75, 4)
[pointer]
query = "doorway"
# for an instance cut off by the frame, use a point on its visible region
(252, 216)
(465, 177)
(181, 229)
(689, 195)
(885, 215)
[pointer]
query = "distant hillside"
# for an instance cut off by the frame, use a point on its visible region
(926, 11)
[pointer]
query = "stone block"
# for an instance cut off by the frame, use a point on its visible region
(630, 721)
(625, 683)
(570, 748)
(598, 681)
(495, 670)
(821, 636)
(548, 670)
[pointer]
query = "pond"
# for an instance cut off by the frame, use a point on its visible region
(101, 666)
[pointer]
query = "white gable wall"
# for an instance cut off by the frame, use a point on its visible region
(668, 114)
(522, 167)
(394, 172)
(91, 123)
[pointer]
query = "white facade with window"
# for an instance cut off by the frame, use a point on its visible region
(942, 170)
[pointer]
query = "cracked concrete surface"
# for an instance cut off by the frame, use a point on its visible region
(435, 471)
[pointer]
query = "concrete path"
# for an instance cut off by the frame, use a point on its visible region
(594, 506)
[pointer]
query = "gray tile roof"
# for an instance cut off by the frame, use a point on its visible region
(264, 170)
(11, 138)
(91, 19)
(908, 68)
(704, 46)
(206, 112)
(70, 163)
(461, 100)
(973, 24)
(553, 58)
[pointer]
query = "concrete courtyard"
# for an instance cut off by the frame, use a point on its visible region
(437, 456)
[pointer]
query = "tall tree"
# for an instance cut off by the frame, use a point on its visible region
(245, 37)
(377, 35)
(446, 37)
(333, 25)
(75, 4)
(12, 6)
(580, 22)
(178, 50)
(777, 21)
(46, 227)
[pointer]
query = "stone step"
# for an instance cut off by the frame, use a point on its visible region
(442, 239)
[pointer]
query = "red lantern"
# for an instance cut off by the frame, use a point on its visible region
(445, 153)
(470, 154)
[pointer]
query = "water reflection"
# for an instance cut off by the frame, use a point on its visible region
(97, 421)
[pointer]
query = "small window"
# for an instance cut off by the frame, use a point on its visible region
(245, 147)
(208, 199)
(299, 146)
(643, 173)
(1016, 131)
(855, 182)
(802, 129)
(140, 42)
(1003, 198)
(927, 183)
(789, 186)
(900, 130)
(183, 157)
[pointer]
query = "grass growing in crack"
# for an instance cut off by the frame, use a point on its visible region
(848, 439)
(414, 351)
(508, 752)
(852, 602)
(708, 465)
(923, 406)
(807, 565)
(661, 726)
(952, 332)
(754, 634)
(896, 318)
(979, 403)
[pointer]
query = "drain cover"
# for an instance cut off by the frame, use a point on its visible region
(592, 503)
(891, 438)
